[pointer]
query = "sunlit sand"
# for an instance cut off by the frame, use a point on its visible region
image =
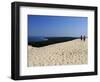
(65, 53)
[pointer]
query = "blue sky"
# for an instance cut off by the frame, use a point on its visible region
(59, 26)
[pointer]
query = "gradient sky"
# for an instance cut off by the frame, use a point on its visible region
(59, 26)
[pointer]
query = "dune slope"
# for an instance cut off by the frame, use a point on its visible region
(66, 53)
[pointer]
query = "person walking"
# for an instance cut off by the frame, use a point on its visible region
(81, 37)
(84, 38)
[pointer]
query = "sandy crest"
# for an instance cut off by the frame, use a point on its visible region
(71, 52)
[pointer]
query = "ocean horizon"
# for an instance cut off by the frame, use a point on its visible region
(42, 38)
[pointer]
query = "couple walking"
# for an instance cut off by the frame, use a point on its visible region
(83, 38)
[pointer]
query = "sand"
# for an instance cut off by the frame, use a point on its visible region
(65, 53)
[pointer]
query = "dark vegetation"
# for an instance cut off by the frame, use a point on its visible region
(51, 40)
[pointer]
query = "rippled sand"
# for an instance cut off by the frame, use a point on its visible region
(66, 53)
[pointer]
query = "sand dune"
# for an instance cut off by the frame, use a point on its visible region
(66, 53)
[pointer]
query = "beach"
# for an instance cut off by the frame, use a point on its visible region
(65, 53)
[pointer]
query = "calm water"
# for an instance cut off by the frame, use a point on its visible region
(36, 39)
(39, 39)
